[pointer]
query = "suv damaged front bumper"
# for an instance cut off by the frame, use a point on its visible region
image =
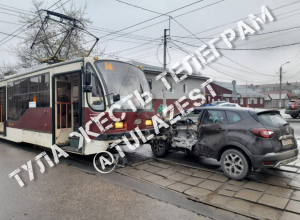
(273, 160)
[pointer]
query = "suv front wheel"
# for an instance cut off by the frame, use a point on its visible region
(234, 164)
(159, 147)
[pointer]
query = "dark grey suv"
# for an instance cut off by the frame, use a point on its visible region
(241, 138)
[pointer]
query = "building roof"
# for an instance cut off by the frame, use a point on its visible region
(276, 96)
(160, 69)
(240, 90)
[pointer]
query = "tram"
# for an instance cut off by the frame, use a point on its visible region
(44, 104)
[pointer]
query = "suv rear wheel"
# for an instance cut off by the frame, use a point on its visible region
(159, 147)
(294, 116)
(234, 164)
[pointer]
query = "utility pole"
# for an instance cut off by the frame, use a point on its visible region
(280, 79)
(247, 94)
(165, 68)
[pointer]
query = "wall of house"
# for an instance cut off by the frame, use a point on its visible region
(177, 92)
(220, 91)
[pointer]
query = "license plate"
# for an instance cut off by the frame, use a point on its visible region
(287, 142)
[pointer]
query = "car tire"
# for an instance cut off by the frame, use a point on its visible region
(299, 114)
(235, 165)
(159, 148)
(294, 116)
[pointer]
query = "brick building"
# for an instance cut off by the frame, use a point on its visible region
(245, 97)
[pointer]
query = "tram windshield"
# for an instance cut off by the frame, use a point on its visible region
(123, 79)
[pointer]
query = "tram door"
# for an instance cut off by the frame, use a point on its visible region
(2, 110)
(67, 110)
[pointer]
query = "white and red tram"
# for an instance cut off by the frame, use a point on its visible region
(44, 104)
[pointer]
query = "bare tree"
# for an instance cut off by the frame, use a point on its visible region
(51, 36)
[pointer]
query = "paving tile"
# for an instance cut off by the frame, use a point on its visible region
(224, 215)
(185, 171)
(197, 192)
(297, 164)
(296, 195)
(165, 182)
(142, 166)
(294, 184)
(142, 162)
(233, 188)
(279, 191)
(273, 201)
(219, 200)
(225, 192)
(256, 186)
(159, 164)
(210, 184)
(165, 172)
(288, 168)
(240, 217)
(277, 181)
(264, 212)
(194, 181)
(237, 183)
(193, 170)
(178, 177)
(180, 187)
(182, 169)
(203, 174)
(153, 178)
(152, 169)
(248, 194)
(289, 216)
(293, 206)
(139, 173)
(239, 206)
(218, 177)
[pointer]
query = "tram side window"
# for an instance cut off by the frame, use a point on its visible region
(95, 98)
(21, 92)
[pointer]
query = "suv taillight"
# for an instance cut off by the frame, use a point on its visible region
(294, 105)
(263, 133)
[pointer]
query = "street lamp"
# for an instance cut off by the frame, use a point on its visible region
(280, 79)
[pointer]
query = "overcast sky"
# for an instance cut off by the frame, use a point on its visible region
(250, 66)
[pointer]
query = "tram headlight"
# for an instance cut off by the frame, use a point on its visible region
(148, 122)
(119, 124)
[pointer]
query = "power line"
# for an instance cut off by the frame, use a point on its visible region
(152, 19)
(237, 49)
(29, 22)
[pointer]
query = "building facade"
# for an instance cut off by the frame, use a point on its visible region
(177, 90)
(245, 97)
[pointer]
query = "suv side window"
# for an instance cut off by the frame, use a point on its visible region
(214, 117)
(298, 104)
(233, 117)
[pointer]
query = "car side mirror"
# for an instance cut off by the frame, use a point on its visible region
(116, 97)
(87, 77)
(150, 83)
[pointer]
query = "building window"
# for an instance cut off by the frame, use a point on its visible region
(249, 101)
(184, 88)
(209, 98)
(241, 101)
(261, 101)
(255, 101)
(171, 90)
(21, 92)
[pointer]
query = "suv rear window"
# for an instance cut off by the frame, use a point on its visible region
(271, 119)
